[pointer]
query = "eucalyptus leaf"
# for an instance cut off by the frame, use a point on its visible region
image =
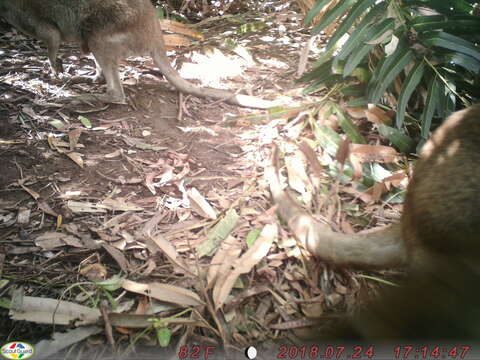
(430, 106)
(413, 79)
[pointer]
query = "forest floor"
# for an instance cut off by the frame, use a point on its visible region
(115, 201)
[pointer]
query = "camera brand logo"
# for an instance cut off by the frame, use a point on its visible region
(17, 350)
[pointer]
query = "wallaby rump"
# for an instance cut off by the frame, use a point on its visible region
(112, 30)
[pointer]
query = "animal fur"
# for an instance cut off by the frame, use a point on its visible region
(112, 30)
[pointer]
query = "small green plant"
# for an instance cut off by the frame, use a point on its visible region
(164, 334)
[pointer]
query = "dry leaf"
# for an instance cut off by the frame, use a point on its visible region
(53, 311)
(76, 158)
(377, 115)
(118, 256)
(225, 256)
(113, 154)
(297, 175)
(245, 263)
(42, 204)
(179, 28)
(119, 204)
(313, 310)
(357, 166)
(32, 193)
(399, 179)
(84, 207)
(312, 158)
(200, 205)
(376, 192)
(379, 153)
(94, 272)
(356, 112)
(174, 40)
(164, 292)
(343, 151)
(169, 251)
(62, 340)
(73, 137)
(51, 240)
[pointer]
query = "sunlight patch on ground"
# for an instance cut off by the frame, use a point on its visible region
(36, 85)
(274, 63)
(211, 68)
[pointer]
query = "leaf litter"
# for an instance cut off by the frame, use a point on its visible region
(122, 203)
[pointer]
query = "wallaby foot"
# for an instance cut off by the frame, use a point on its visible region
(99, 77)
(56, 66)
(93, 99)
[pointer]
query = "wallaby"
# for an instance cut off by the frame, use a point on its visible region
(441, 212)
(438, 238)
(111, 30)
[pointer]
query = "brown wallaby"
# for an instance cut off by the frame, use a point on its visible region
(111, 30)
(441, 211)
(438, 238)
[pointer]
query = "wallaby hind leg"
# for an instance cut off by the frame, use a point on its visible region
(44, 32)
(109, 69)
(107, 64)
(52, 38)
(98, 77)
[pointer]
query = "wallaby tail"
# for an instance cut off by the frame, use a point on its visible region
(381, 248)
(185, 86)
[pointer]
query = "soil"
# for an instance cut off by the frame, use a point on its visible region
(57, 155)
